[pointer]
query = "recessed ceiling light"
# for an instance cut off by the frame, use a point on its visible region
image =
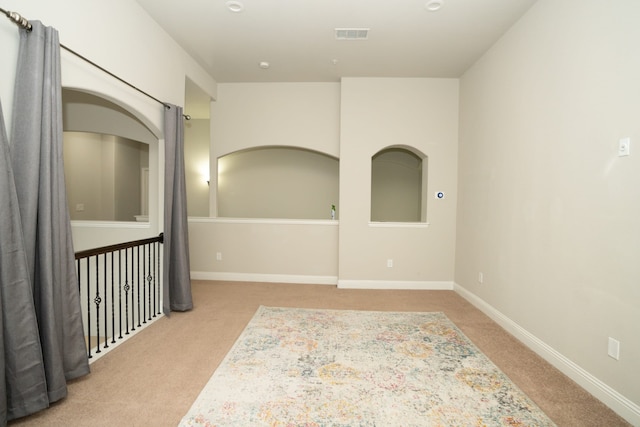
(235, 6)
(433, 5)
(264, 65)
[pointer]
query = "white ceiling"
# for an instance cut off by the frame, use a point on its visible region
(297, 37)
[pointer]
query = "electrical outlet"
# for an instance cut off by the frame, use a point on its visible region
(624, 147)
(480, 277)
(389, 263)
(218, 256)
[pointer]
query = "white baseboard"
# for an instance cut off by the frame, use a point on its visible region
(323, 280)
(614, 400)
(95, 356)
(399, 285)
(270, 278)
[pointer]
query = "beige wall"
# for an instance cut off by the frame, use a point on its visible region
(139, 51)
(196, 162)
(248, 115)
(129, 159)
(86, 154)
(346, 120)
(377, 113)
(103, 174)
(296, 251)
(305, 115)
(547, 211)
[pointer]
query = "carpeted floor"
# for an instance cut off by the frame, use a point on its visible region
(154, 378)
(319, 367)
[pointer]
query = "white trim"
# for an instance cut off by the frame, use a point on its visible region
(330, 222)
(376, 224)
(397, 285)
(614, 400)
(95, 356)
(110, 224)
(270, 278)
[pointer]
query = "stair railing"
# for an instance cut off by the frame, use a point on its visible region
(120, 290)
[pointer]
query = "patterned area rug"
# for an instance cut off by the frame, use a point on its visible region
(303, 367)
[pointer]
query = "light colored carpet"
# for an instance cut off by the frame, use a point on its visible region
(304, 367)
(154, 378)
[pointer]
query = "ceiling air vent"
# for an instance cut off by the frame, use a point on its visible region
(352, 33)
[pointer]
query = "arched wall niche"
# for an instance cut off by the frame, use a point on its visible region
(106, 156)
(89, 111)
(266, 145)
(398, 184)
(81, 76)
(277, 181)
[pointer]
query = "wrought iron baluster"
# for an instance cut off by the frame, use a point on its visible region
(89, 306)
(79, 276)
(137, 284)
(126, 291)
(158, 275)
(106, 301)
(97, 300)
(133, 290)
(153, 268)
(120, 293)
(144, 284)
(113, 301)
(149, 278)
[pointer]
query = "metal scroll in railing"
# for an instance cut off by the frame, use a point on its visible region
(120, 290)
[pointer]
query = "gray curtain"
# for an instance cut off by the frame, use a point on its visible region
(176, 275)
(20, 355)
(38, 172)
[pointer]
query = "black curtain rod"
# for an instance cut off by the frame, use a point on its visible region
(17, 19)
(186, 116)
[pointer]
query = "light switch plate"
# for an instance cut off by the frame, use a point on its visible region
(614, 348)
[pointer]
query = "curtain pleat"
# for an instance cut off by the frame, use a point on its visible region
(24, 384)
(176, 274)
(38, 173)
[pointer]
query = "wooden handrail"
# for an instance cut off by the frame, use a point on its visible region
(119, 246)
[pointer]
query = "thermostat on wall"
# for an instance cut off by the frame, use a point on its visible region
(439, 195)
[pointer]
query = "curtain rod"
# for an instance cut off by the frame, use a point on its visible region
(22, 22)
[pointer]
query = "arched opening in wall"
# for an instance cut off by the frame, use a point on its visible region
(398, 185)
(277, 182)
(106, 159)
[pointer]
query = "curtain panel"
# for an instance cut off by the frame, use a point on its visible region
(50, 277)
(176, 275)
(21, 355)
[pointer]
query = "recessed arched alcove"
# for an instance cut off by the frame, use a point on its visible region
(106, 156)
(398, 185)
(277, 182)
